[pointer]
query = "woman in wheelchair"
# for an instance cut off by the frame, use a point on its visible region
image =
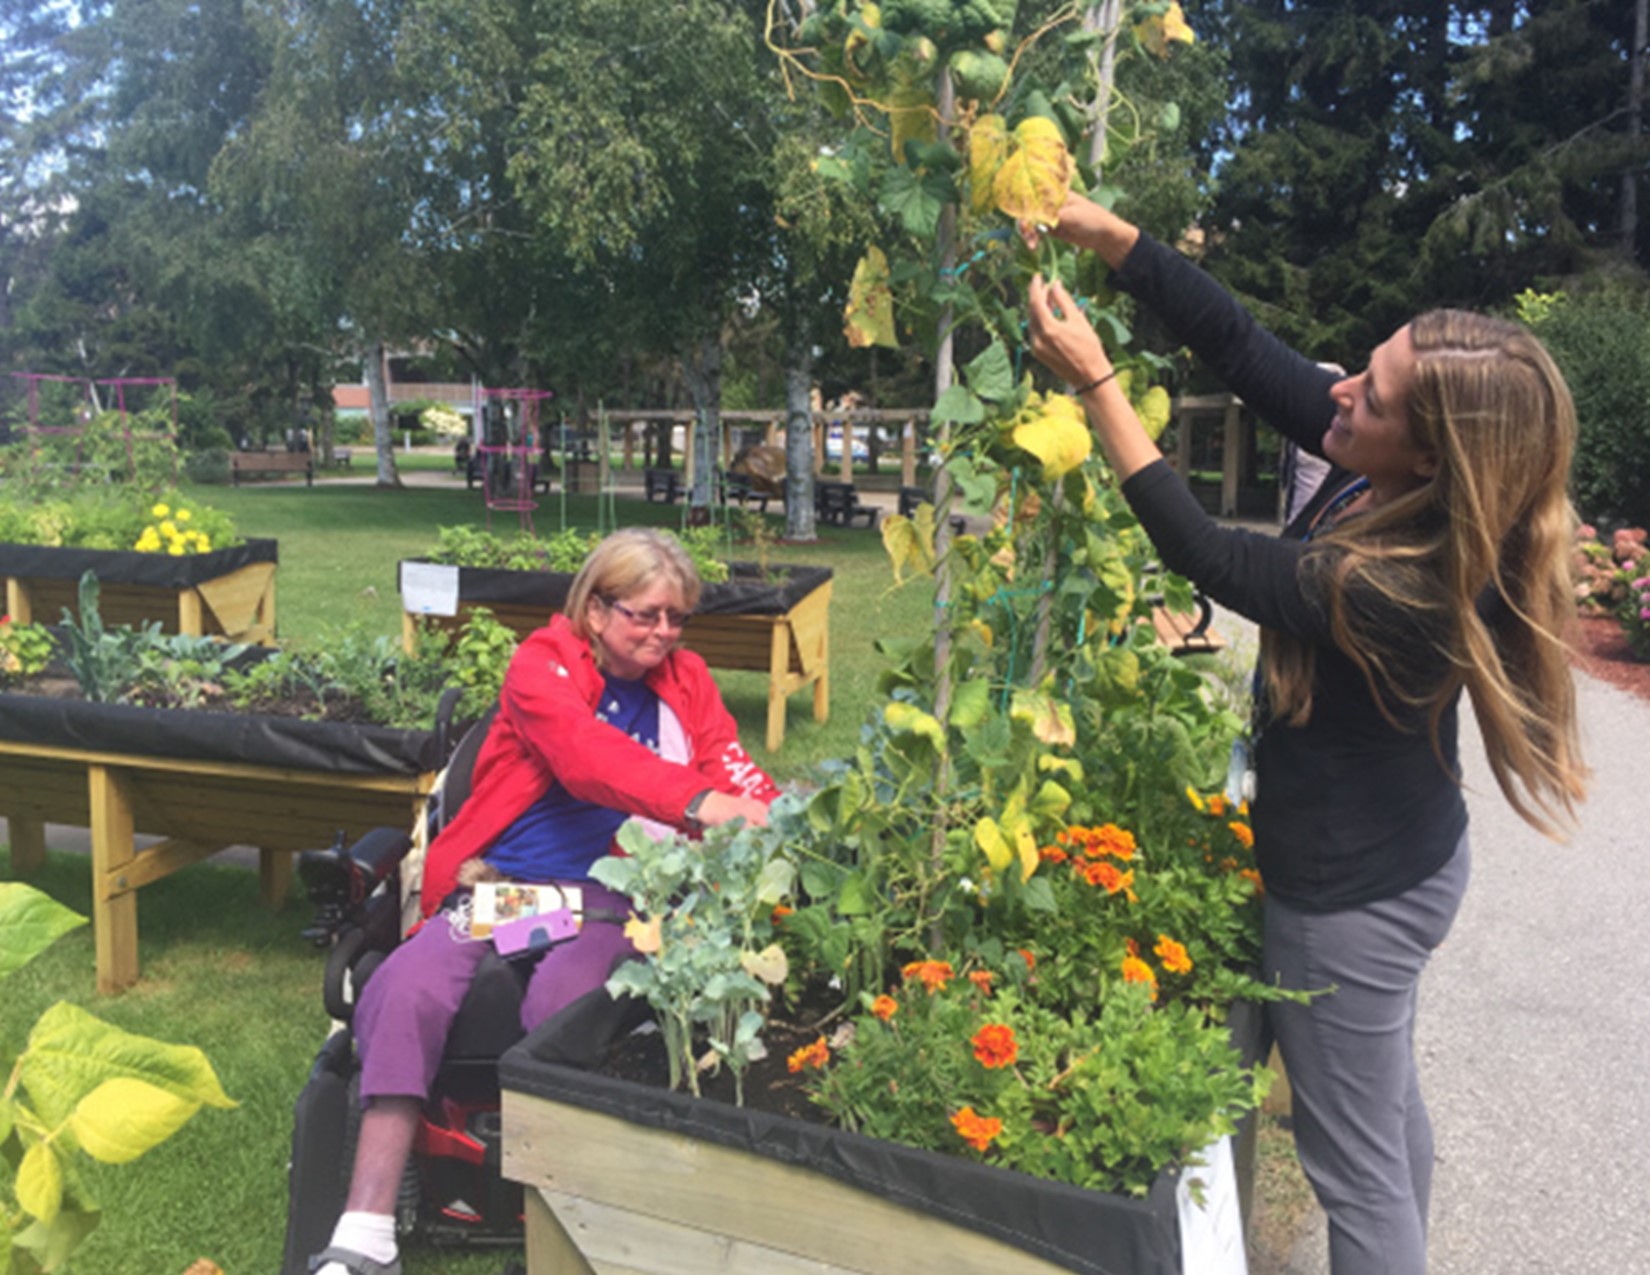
(601, 718)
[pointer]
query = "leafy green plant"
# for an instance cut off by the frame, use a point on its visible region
(122, 519)
(25, 650)
(705, 925)
(184, 670)
(479, 659)
(104, 661)
(79, 1087)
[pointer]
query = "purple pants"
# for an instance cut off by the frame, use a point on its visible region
(409, 1004)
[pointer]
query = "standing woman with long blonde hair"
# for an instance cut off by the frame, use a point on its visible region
(1432, 558)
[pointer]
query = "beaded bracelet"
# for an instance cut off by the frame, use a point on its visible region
(1095, 384)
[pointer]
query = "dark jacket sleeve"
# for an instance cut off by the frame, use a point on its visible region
(1258, 576)
(1284, 388)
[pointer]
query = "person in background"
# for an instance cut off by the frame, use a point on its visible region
(1432, 559)
(1300, 473)
(602, 717)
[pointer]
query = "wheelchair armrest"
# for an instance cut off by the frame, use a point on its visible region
(340, 880)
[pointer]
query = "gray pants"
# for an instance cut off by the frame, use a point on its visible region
(1361, 1129)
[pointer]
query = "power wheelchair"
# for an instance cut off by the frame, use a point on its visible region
(452, 1193)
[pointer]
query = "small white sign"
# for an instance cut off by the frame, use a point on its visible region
(429, 588)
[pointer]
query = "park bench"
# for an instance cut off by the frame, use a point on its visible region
(662, 485)
(1187, 632)
(911, 497)
(838, 503)
(275, 463)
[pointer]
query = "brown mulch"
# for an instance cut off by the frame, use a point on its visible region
(1601, 649)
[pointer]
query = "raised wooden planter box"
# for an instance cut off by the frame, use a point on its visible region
(781, 628)
(228, 592)
(623, 1179)
(201, 780)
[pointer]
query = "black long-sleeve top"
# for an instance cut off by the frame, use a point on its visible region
(1348, 808)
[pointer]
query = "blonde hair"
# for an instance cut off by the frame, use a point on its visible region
(1488, 402)
(623, 564)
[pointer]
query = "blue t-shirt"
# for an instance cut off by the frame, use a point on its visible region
(558, 837)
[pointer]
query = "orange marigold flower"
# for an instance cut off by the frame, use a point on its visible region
(1109, 876)
(1030, 960)
(815, 1055)
(1131, 947)
(885, 1007)
(1244, 834)
(780, 912)
(1053, 854)
(933, 975)
(976, 1130)
(995, 1046)
(1118, 842)
(1253, 877)
(1217, 805)
(981, 979)
(1136, 970)
(1173, 955)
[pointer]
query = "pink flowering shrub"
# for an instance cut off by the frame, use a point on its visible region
(1614, 580)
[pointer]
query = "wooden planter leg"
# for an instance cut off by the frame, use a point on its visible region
(191, 614)
(550, 1251)
(28, 845)
(274, 877)
(779, 668)
(114, 897)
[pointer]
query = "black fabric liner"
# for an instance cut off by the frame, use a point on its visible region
(201, 735)
(1091, 1232)
(128, 566)
(745, 593)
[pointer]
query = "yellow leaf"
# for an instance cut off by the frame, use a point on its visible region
(1051, 802)
(912, 115)
(987, 148)
(869, 316)
(40, 1182)
(768, 966)
(989, 838)
(1050, 721)
(910, 541)
(1153, 410)
(643, 935)
(970, 703)
(1161, 30)
(908, 719)
(1026, 844)
(1064, 765)
(1058, 435)
(122, 1118)
(1033, 181)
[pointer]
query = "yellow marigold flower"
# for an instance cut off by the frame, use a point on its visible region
(183, 515)
(933, 975)
(1244, 833)
(815, 1055)
(205, 545)
(1136, 970)
(885, 1007)
(168, 528)
(976, 1130)
(1197, 801)
(1173, 955)
(175, 549)
(995, 1046)
(160, 511)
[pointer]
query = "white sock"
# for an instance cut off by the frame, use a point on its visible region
(369, 1234)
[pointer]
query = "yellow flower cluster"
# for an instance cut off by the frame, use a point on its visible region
(171, 534)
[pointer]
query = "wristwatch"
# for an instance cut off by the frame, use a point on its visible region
(691, 814)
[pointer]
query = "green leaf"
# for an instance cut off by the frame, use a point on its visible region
(970, 702)
(990, 374)
(916, 199)
(1039, 895)
(71, 1052)
(855, 898)
(1051, 801)
(774, 882)
(977, 489)
(49, 1246)
(908, 548)
(30, 922)
(122, 1118)
(959, 404)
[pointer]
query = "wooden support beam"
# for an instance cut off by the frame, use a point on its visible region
(114, 900)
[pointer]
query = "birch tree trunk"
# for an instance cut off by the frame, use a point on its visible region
(378, 408)
(799, 445)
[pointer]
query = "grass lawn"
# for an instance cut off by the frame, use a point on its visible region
(222, 973)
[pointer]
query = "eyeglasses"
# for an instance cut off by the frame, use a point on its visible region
(652, 617)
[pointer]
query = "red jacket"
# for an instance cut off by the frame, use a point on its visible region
(546, 733)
